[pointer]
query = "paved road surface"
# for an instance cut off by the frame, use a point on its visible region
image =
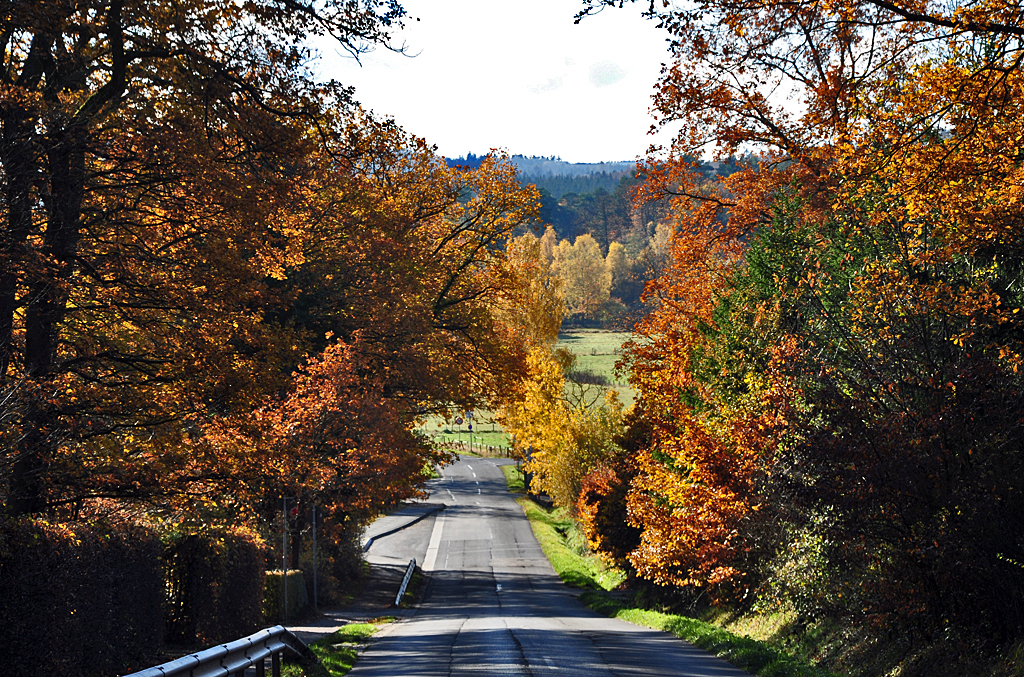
(495, 607)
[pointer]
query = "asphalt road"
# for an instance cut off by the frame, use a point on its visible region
(493, 605)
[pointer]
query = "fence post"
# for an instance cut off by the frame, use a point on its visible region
(315, 606)
(284, 563)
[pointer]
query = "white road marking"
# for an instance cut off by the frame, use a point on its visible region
(430, 561)
(452, 495)
(474, 475)
(469, 466)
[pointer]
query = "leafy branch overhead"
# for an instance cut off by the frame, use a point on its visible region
(222, 281)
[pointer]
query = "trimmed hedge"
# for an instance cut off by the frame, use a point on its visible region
(78, 600)
(298, 599)
(214, 586)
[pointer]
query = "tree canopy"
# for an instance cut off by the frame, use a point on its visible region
(830, 378)
(223, 282)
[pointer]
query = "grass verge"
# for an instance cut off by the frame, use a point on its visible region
(561, 541)
(514, 479)
(747, 654)
(338, 651)
(565, 548)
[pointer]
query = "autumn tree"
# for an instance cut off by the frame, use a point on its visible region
(548, 244)
(584, 275)
(560, 429)
(536, 303)
(840, 317)
(619, 267)
(83, 82)
(241, 241)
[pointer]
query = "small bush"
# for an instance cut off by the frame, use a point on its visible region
(588, 377)
(340, 563)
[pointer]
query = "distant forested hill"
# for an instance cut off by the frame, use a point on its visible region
(544, 166)
(559, 185)
(559, 177)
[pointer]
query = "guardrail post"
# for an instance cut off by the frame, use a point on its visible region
(405, 582)
(275, 664)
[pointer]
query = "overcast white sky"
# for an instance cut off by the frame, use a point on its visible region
(515, 75)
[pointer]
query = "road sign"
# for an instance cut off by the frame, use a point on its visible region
(458, 421)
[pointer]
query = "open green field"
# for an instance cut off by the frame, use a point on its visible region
(597, 351)
(486, 432)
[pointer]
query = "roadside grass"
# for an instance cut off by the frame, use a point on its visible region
(562, 542)
(514, 479)
(565, 549)
(748, 654)
(339, 651)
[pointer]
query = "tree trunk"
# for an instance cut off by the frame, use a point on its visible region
(46, 307)
(18, 156)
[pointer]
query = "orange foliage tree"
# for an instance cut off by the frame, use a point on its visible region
(223, 282)
(834, 363)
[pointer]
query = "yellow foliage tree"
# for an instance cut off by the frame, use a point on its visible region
(562, 438)
(534, 302)
(586, 277)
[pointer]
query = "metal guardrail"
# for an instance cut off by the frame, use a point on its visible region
(232, 659)
(405, 581)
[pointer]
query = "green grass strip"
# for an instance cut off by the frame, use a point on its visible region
(513, 478)
(747, 654)
(552, 527)
(557, 532)
(339, 650)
